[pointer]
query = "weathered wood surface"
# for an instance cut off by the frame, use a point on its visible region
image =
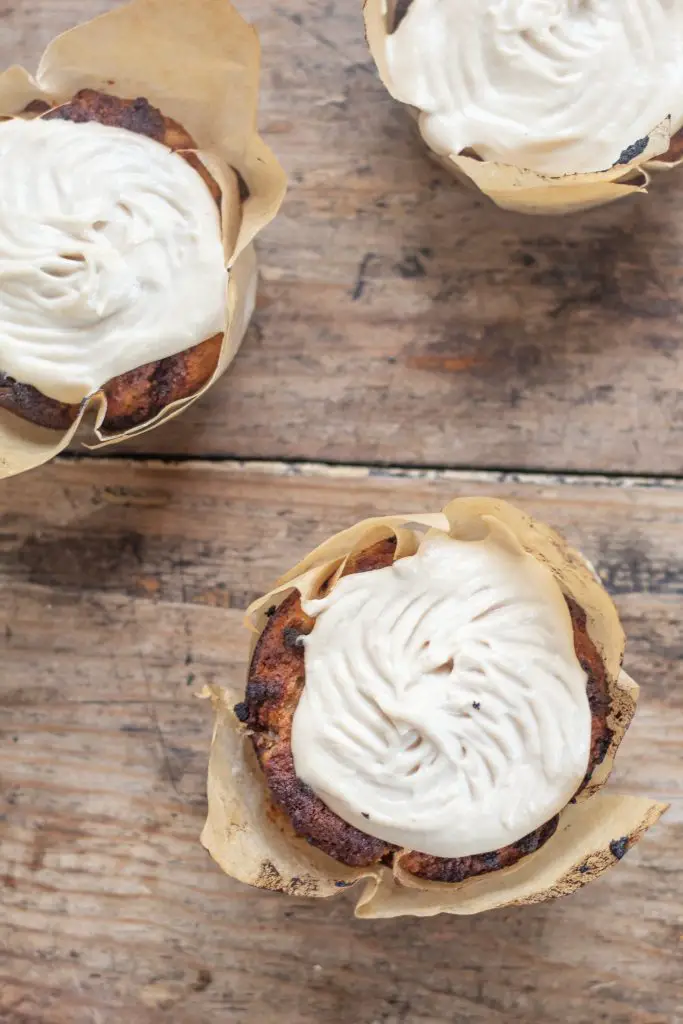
(403, 319)
(122, 590)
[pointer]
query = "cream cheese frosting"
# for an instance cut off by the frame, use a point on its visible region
(111, 255)
(556, 86)
(444, 710)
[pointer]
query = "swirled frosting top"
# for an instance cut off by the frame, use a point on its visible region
(557, 86)
(444, 708)
(110, 255)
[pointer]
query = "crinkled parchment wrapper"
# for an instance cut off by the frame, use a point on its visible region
(525, 191)
(243, 836)
(198, 62)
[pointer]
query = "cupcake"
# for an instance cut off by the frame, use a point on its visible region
(111, 255)
(133, 184)
(545, 106)
(435, 712)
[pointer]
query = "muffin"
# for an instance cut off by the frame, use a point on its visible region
(114, 251)
(572, 100)
(134, 182)
(431, 709)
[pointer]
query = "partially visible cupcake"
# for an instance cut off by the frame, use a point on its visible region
(548, 105)
(111, 262)
(133, 183)
(433, 711)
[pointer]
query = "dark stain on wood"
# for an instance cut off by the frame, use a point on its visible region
(81, 560)
(41, 844)
(203, 980)
(411, 267)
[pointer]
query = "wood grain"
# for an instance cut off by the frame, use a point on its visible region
(403, 319)
(122, 586)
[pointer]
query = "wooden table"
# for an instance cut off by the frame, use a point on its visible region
(411, 343)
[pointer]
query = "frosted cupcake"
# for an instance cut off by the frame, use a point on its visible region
(434, 711)
(133, 183)
(559, 103)
(111, 261)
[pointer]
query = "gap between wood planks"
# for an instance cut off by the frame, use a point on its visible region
(330, 467)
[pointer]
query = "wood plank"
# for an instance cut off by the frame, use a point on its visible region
(121, 590)
(403, 319)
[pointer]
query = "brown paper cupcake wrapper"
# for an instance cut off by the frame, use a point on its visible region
(247, 838)
(522, 190)
(198, 62)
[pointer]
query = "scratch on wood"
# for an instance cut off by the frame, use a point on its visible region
(128, 497)
(361, 276)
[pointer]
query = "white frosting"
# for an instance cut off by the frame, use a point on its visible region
(557, 86)
(110, 255)
(444, 708)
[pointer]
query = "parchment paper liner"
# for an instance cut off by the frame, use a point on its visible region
(253, 843)
(198, 62)
(522, 190)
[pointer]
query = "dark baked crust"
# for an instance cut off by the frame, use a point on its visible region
(25, 401)
(135, 397)
(276, 680)
(138, 396)
(457, 869)
(597, 688)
